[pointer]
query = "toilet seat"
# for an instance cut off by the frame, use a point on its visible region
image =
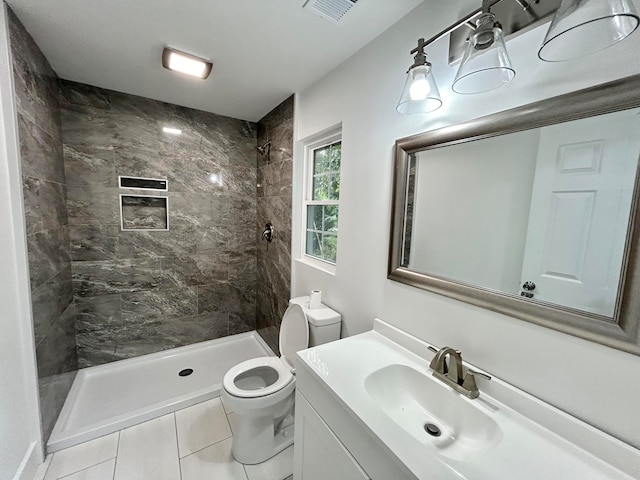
(281, 369)
(294, 336)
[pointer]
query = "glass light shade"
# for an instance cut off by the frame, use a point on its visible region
(485, 65)
(582, 27)
(420, 93)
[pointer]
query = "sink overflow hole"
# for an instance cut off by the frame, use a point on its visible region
(432, 429)
(186, 372)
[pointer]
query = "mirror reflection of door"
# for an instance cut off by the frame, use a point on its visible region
(579, 214)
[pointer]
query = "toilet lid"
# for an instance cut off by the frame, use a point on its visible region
(294, 332)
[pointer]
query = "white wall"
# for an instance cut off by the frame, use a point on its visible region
(472, 210)
(20, 443)
(595, 383)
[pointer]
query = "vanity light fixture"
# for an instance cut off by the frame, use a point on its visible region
(420, 93)
(582, 27)
(186, 63)
(578, 28)
(485, 65)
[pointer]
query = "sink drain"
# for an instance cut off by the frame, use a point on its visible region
(432, 429)
(186, 372)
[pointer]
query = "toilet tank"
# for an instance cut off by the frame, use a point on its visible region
(324, 322)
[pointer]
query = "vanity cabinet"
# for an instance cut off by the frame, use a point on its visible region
(330, 443)
(319, 454)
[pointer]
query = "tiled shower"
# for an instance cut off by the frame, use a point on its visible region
(43, 183)
(102, 294)
(274, 206)
(139, 292)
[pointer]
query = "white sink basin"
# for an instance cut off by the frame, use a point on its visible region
(413, 399)
(383, 382)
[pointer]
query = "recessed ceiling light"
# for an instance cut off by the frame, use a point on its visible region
(186, 63)
(171, 130)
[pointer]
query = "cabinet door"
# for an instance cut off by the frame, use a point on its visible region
(318, 454)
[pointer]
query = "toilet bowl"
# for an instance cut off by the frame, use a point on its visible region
(261, 391)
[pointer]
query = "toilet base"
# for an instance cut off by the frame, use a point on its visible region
(260, 433)
(255, 441)
(280, 443)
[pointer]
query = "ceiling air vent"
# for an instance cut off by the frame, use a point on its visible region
(332, 10)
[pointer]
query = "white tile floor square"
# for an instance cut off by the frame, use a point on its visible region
(190, 444)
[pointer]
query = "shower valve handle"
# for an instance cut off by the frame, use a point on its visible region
(267, 234)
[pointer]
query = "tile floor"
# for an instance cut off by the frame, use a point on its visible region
(190, 444)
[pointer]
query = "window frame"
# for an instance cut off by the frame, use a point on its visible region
(307, 194)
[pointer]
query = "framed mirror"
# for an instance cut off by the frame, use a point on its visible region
(531, 212)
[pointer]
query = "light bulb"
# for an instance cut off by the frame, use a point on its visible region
(420, 86)
(187, 65)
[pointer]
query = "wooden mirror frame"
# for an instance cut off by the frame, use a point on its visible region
(621, 331)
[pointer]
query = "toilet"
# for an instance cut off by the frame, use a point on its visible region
(261, 390)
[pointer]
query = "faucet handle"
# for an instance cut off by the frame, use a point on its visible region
(470, 384)
(480, 374)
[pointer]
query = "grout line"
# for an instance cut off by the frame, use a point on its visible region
(115, 465)
(197, 288)
(226, 416)
(175, 426)
(203, 448)
(84, 469)
(215, 443)
(48, 466)
(47, 180)
(90, 466)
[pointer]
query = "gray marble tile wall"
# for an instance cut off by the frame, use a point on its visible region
(275, 174)
(44, 192)
(139, 292)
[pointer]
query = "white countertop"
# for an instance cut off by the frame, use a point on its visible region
(555, 446)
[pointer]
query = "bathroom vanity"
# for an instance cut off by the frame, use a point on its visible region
(368, 407)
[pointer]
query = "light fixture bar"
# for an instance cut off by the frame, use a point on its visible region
(458, 39)
(454, 26)
(585, 26)
(186, 63)
(515, 16)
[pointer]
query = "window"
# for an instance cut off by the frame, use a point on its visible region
(322, 198)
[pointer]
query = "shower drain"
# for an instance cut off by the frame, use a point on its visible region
(432, 429)
(186, 372)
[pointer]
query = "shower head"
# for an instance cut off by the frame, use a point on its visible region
(264, 149)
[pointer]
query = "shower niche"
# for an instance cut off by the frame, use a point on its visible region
(144, 212)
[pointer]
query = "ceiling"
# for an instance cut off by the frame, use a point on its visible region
(262, 50)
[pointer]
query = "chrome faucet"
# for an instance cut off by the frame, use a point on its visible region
(451, 373)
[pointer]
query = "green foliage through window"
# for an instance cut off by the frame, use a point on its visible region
(326, 172)
(322, 206)
(322, 231)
